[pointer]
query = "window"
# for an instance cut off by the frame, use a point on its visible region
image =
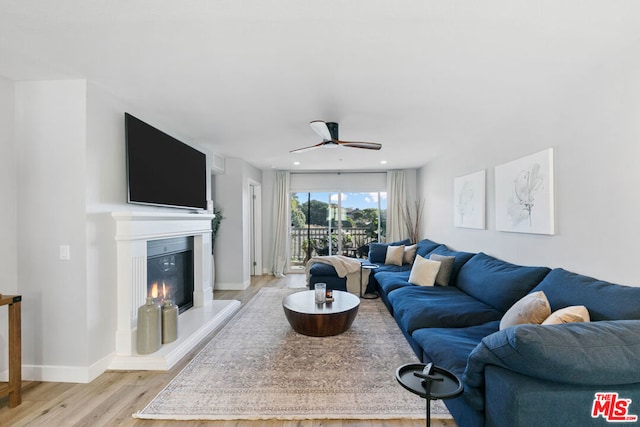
(335, 223)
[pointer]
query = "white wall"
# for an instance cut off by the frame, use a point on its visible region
(593, 123)
(232, 251)
(106, 191)
(8, 208)
(50, 134)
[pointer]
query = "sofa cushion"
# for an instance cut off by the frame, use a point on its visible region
(424, 271)
(394, 255)
(391, 280)
(449, 348)
(460, 259)
(531, 308)
(378, 251)
(576, 313)
(425, 247)
(392, 268)
(600, 354)
(446, 267)
(322, 269)
(416, 307)
(604, 300)
(496, 282)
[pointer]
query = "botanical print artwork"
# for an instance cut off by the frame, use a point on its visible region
(524, 194)
(469, 200)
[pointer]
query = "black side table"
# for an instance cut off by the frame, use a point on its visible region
(439, 384)
(370, 267)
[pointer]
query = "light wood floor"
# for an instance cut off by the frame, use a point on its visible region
(110, 399)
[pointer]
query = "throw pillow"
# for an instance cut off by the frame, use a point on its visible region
(378, 251)
(409, 254)
(575, 313)
(394, 255)
(424, 271)
(532, 308)
(446, 267)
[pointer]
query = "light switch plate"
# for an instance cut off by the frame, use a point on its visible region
(65, 252)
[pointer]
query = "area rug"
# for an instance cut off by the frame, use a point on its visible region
(258, 368)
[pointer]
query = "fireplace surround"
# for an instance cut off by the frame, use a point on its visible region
(133, 232)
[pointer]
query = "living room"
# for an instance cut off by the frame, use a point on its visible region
(515, 79)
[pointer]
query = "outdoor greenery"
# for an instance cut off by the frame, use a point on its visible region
(357, 227)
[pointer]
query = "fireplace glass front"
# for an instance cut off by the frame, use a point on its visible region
(170, 271)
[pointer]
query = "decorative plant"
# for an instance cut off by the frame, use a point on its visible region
(412, 216)
(215, 226)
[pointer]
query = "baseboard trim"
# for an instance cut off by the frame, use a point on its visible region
(206, 320)
(232, 286)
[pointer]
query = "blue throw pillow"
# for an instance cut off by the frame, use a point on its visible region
(378, 251)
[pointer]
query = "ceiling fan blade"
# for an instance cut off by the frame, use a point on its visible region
(320, 127)
(302, 150)
(366, 145)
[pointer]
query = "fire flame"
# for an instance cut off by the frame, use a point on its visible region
(156, 295)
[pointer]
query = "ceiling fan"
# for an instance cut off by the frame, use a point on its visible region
(328, 131)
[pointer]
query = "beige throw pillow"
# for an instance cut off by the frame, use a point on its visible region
(424, 271)
(409, 254)
(533, 308)
(575, 313)
(394, 255)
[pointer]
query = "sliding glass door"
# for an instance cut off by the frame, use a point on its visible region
(335, 223)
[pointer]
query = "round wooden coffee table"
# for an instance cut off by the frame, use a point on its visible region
(320, 320)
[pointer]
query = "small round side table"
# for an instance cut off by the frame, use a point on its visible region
(370, 267)
(438, 384)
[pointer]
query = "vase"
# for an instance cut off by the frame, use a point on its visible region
(169, 322)
(149, 328)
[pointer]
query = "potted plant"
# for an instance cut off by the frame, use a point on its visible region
(215, 226)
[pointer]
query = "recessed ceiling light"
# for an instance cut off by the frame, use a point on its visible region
(383, 162)
(296, 163)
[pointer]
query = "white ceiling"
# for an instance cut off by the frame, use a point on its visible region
(245, 77)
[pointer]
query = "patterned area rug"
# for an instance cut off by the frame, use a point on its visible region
(257, 367)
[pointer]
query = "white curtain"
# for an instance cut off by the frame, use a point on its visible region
(396, 201)
(281, 221)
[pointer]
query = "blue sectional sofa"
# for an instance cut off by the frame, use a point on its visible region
(528, 374)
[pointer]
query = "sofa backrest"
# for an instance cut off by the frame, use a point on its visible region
(425, 247)
(498, 283)
(461, 259)
(604, 300)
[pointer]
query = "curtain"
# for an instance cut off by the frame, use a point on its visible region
(280, 223)
(396, 201)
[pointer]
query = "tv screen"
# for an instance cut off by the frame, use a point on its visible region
(162, 170)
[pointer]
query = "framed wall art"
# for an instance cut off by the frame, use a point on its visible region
(469, 200)
(524, 194)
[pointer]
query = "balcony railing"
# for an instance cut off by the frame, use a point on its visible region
(345, 243)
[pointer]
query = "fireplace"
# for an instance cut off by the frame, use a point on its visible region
(136, 235)
(170, 271)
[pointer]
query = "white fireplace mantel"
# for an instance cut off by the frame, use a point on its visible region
(133, 231)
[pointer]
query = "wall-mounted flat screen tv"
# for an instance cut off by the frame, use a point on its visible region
(162, 170)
